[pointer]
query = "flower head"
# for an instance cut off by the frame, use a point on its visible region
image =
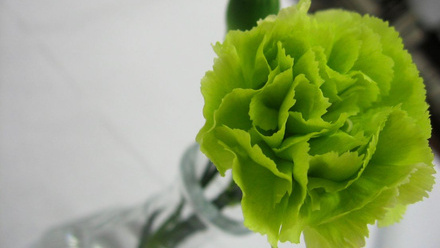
(322, 119)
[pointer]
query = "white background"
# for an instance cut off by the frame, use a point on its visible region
(99, 99)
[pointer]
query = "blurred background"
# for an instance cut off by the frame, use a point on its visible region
(99, 99)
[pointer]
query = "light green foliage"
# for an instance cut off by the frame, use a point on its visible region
(322, 119)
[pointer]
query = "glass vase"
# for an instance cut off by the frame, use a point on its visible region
(200, 208)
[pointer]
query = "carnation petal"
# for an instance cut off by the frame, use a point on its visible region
(335, 167)
(344, 53)
(351, 229)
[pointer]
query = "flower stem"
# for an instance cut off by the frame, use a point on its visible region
(175, 229)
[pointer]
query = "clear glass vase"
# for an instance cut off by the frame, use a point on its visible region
(200, 208)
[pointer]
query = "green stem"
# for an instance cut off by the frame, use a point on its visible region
(174, 229)
(208, 174)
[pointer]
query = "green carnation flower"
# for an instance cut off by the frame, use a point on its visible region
(322, 119)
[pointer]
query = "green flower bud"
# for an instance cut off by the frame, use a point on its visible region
(244, 14)
(323, 121)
